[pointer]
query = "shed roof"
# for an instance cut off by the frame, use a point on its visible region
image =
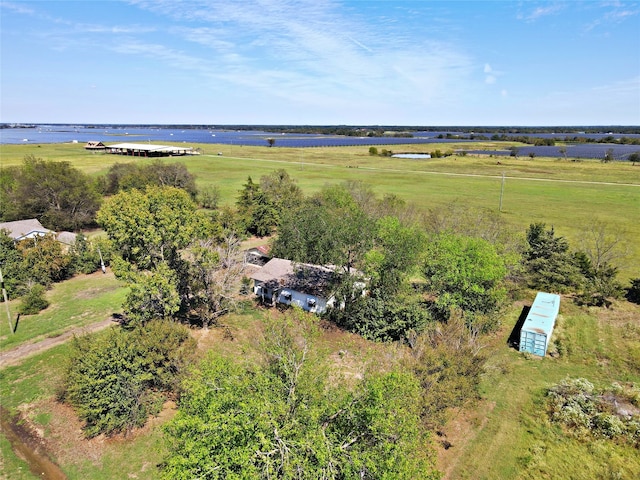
(20, 229)
(543, 313)
(68, 238)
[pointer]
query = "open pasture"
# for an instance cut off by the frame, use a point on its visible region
(567, 194)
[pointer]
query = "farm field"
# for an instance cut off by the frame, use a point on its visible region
(566, 194)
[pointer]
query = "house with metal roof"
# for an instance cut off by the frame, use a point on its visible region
(282, 281)
(148, 150)
(24, 229)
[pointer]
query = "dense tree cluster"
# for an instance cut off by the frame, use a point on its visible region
(551, 265)
(175, 259)
(117, 379)
(260, 206)
(59, 195)
(285, 418)
(127, 176)
(44, 261)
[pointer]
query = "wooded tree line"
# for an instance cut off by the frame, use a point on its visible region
(64, 198)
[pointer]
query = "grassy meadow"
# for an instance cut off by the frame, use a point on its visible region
(507, 434)
(78, 302)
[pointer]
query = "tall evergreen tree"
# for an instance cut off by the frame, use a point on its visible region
(549, 264)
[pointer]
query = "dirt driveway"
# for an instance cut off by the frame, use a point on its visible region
(15, 355)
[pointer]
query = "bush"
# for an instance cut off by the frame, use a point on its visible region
(586, 411)
(209, 197)
(115, 381)
(34, 301)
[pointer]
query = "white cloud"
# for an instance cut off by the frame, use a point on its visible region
(310, 51)
(490, 74)
(614, 14)
(539, 12)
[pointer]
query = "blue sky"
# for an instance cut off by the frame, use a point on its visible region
(320, 62)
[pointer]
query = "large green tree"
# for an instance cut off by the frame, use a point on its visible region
(153, 294)
(286, 419)
(13, 274)
(59, 195)
(127, 176)
(329, 228)
(44, 261)
(257, 214)
(549, 264)
(151, 226)
(464, 273)
(281, 189)
(396, 252)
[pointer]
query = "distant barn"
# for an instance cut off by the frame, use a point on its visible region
(148, 150)
(536, 331)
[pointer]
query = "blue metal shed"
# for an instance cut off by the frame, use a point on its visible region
(536, 331)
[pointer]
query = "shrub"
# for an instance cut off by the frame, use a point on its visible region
(586, 411)
(209, 197)
(34, 301)
(115, 381)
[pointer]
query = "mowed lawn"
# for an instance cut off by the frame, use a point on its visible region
(568, 195)
(508, 435)
(78, 302)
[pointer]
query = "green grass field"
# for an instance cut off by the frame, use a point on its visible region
(80, 301)
(511, 437)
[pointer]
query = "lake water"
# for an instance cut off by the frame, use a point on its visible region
(111, 135)
(67, 134)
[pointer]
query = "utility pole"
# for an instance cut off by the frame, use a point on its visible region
(104, 269)
(6, 301)
(501, 192)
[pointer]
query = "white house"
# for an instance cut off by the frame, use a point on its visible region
(32, 228)
(282, 281)
(22, 229)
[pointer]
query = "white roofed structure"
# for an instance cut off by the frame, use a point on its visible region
(148, 150)
(21, 229)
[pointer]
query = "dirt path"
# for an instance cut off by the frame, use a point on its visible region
(17, 354)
